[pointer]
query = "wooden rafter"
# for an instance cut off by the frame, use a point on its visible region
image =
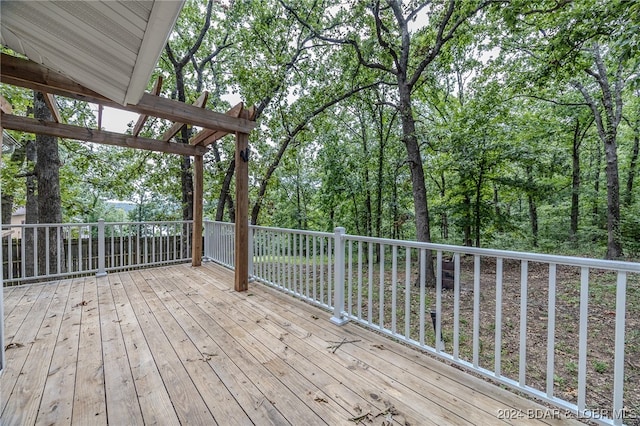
(5, 106)
(250, 114)
(100, 109)
(25, 73)
(30, 125)
(200, 103)
(50, 100)
(157, 87)
(205, 135)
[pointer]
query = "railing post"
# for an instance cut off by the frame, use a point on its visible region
(101, 252)
(338, 288)
(250, 250)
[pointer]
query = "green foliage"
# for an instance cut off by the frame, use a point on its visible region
(496, 112)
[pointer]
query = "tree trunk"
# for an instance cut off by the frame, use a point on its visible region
(533, 215)
(575, 183)
(367, 187)
(466, 228)
(186, 180)
(478, 209)
(224, 193)
(380, 183)
(7, 208)
(595, 210)
(49, 201)
(496, 208)
(444, 220)
(607, 113)
(418, 185)
(533, 209)
(614, 245)
(633, 165)
(31, 208)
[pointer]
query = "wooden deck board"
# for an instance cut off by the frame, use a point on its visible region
(175, 345)
(56, 406)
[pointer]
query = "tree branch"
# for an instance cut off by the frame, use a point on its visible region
(352, 43)
(442, 38)
(381, 27)
(594, 108)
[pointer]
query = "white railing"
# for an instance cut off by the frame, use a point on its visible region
(562, 329)
(44, 251)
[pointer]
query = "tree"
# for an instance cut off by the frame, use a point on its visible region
(48, 174)
(382, 40)
(182, 53)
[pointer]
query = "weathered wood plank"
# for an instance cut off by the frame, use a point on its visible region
(205, 135)
(210, 137)
(12, 296)
(251, 362)
(19, 338)
(184, 395)
(206, 334)
(153, 397)
(297, 398)
(89, 402)
(161, 300)
(23, 404)
(31, 125)
(56, 406)
(122, 401)
(313, 359)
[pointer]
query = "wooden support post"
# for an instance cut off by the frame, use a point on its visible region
(242, 212)
(196, 244)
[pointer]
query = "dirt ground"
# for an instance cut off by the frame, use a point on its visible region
(601, 325)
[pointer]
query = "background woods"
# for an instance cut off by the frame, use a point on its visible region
(498, 124)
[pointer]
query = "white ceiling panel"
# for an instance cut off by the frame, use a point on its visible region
(108, 46)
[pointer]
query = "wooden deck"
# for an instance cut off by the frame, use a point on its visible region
(175, 345)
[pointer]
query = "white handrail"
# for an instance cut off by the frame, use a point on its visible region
(384, 285)
(51, 251)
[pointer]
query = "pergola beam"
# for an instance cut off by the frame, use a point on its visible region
(200, 103)
(157, 87)
(25, 73)
(5, 106)
(30, 125)
(206, 134)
